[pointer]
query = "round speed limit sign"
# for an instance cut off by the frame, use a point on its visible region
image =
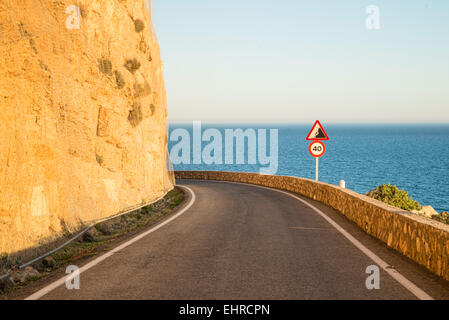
(317, 149)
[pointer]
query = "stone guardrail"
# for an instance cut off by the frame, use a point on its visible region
(423, 240)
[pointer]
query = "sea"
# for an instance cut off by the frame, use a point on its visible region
(413, 157)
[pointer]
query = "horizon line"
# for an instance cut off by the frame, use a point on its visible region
(308, 123)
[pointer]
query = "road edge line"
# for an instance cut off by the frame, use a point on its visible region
(42, 292)
(407, 284)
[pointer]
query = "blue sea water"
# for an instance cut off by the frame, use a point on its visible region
(413, 157)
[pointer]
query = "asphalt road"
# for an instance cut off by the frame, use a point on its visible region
(244, 242)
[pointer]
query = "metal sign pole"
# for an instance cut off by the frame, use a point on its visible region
(316, 169)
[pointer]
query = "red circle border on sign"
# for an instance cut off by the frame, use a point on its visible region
(310, 149)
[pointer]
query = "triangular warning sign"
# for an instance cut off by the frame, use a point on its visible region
(317, 132)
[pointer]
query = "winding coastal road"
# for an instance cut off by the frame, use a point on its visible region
(237, 241)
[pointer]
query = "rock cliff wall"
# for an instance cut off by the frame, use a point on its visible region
(83, 130)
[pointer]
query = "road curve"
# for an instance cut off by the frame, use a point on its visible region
(240, 241)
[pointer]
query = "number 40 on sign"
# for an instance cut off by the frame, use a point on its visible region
(317, 149)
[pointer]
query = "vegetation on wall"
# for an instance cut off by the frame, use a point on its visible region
(132, 65)
(105, 66)
(135, 115)
(139, 25)
(120, 81)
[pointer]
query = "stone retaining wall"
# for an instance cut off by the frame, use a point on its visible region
(423, 240)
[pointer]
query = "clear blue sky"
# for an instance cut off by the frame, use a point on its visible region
(296, 61)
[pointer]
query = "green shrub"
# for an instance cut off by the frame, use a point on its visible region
(105, 66)
(119, 79)
(139, 25)
(395, 197)
(132, 65)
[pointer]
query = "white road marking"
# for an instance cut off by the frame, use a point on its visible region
(407, 284)
(410, 286)
(39, 294)
(303, 228)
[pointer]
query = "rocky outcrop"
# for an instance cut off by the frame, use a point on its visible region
(426, 211)
(83, 115)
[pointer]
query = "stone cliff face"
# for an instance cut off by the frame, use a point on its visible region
(83, 131)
